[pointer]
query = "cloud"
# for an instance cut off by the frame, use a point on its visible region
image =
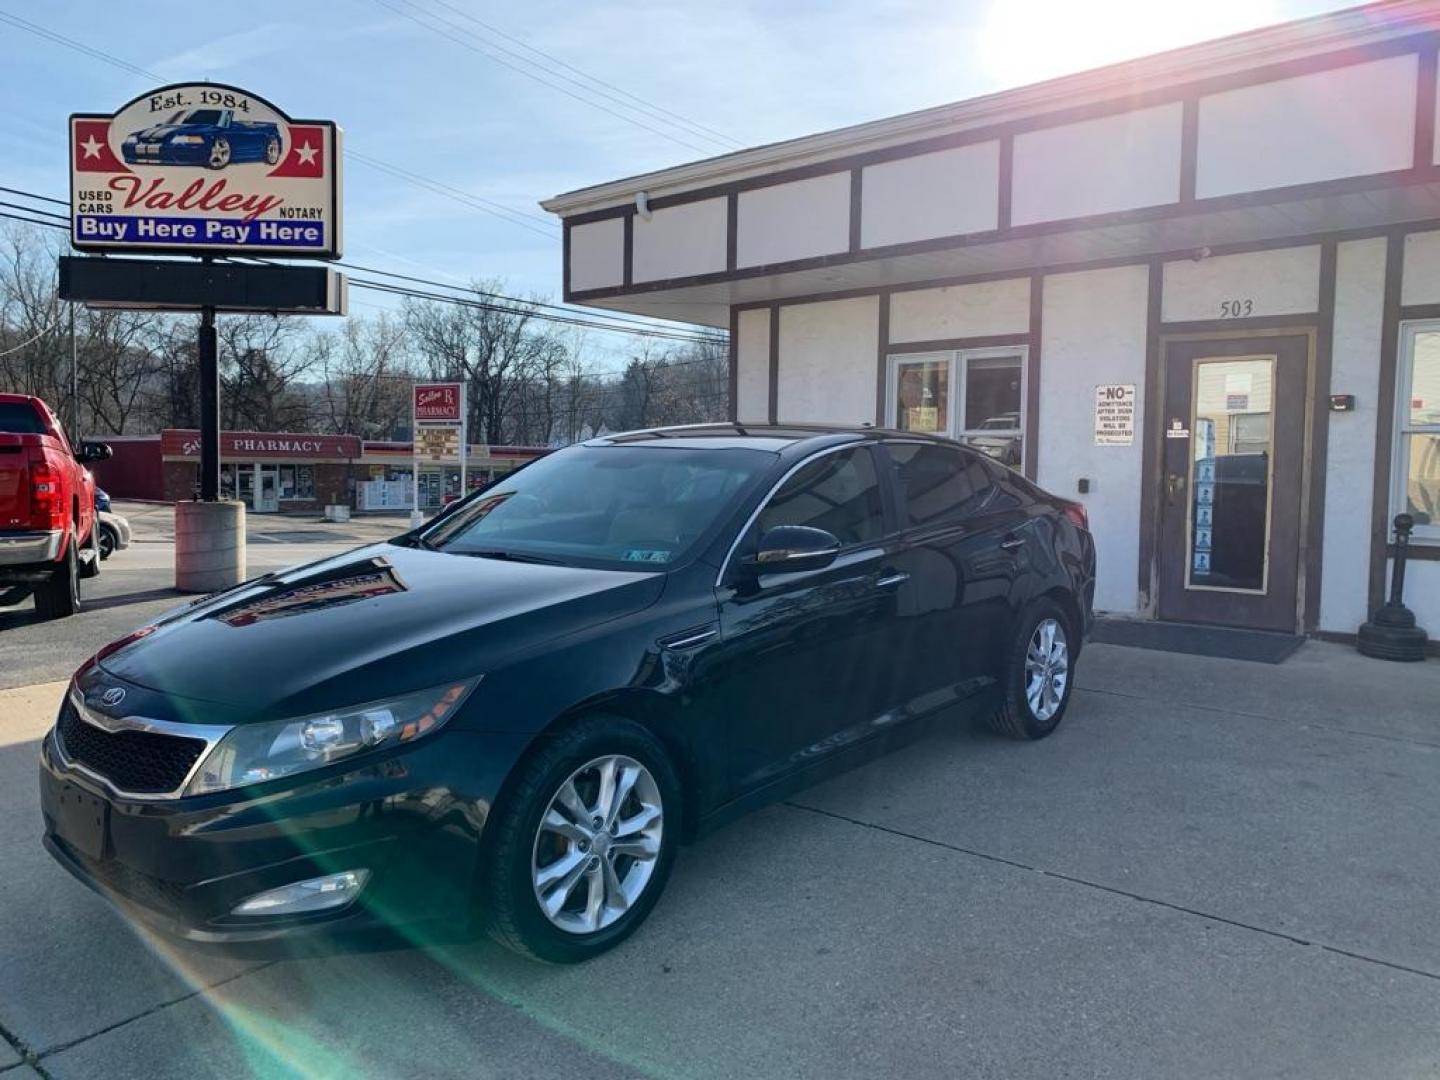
(228, 52)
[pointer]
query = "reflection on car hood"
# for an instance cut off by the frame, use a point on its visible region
(376, 621)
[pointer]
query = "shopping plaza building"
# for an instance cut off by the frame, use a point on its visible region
(280, 471)
(1198, 292)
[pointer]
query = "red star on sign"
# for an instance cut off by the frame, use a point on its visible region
(90, 147)
(306, 156)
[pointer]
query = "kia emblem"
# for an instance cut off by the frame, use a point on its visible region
(113, 696)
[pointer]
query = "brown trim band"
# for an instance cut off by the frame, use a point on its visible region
(734, 372)
(1416, 552)
(1030, 451)
(1314, 535)
(1385, 415)
(732, 233)
(1259, 323)
(1189, 148)
(628, 239)
(1420, 311)
(1151, 450)
(883, 350)
(774, 363)
(857, 197)
(1006, 184)
(945, 344)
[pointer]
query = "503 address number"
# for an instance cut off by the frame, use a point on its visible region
(1237, 309)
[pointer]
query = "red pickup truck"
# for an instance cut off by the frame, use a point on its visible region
(48, 534)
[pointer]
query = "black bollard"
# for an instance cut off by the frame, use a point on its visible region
(1391, 633)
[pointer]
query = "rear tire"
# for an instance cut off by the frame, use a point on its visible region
(108, 541)
(59, 596)
(515, 874)
(1039, 673)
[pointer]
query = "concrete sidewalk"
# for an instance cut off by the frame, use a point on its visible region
(1215, 869)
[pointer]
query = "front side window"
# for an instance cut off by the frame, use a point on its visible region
(838, 492)
(976, 396)
(938, 484)
(1416, 467)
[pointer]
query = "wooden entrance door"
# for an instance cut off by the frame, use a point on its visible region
(1231, 469)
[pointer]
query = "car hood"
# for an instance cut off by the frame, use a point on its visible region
(159, 131)
(371, 623)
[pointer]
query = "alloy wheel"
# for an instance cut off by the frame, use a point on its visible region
(597, 844)
(272, 151)
(1047, 669)
(219, 154)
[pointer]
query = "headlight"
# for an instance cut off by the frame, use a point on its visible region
(187, 139)
(256, 753)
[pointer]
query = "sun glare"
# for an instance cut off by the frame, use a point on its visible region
(1024, 41)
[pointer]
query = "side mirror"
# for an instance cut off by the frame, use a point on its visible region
(787, 548)
(95, 451)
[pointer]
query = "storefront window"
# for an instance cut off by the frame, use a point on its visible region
(989, 412)
(297, 482)
(1416, 468)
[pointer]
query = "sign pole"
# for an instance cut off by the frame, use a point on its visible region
(416, 517)
(464, 435)
(209, 408)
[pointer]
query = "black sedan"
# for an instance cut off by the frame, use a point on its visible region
(513, 715)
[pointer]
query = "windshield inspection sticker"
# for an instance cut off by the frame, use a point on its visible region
(642, 555)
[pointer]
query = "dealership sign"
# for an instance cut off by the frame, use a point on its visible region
(204, 169)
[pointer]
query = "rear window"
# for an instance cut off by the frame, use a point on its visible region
(939, 483)
(20, 418)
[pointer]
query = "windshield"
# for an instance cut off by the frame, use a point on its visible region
(617, 507)
(202, 116)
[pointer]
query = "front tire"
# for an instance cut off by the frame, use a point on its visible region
(219, 154)
(584, 842)
(108, 541)
(59, 596)
(1039, 673)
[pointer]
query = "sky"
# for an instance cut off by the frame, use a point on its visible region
(448, 90)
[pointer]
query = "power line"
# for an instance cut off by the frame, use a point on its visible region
(650, 107)
(488, 54)
(473, 201)
(33, 195)
(32, 210)
(31, 341)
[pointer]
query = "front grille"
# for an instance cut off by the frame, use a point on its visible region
(141, 762)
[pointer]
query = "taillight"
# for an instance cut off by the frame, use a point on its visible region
(47, 504)
(1077, 515)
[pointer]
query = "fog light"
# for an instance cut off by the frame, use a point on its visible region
(314, 894)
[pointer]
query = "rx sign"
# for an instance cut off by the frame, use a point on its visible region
(438, 403)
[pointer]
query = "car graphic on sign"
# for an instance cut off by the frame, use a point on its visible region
(209, 137)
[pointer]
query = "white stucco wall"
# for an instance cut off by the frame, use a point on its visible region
(680, 240)
(1285, 281)
(794, 221)
(1349, 121)
(1350, 449)
(828, 361)
(978, 310)
(1098, 166)
(1421, 281)
(1422, 593)
(752, 358)
(1093, 332)
(597, 254)
(941, 194)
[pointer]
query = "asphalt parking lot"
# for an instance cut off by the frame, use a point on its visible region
(1214, 869)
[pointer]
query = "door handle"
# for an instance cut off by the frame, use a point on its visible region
(892, 579)
(1010, 543)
